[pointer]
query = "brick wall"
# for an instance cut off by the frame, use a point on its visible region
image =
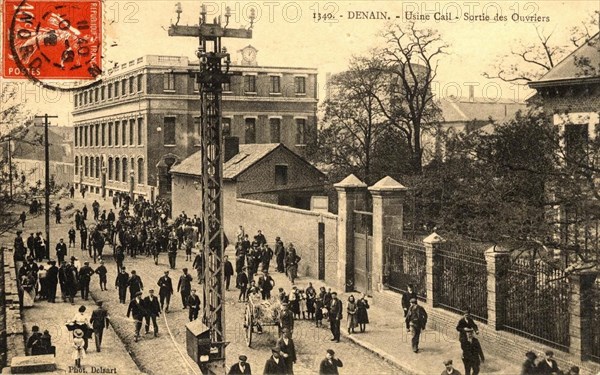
(15, 335)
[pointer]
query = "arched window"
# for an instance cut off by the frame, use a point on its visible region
(125, 172)
(92, 169)
(98, 167)
(117, 169)
(140, 171)
(110, 169)
(86, 166)
(77, 165)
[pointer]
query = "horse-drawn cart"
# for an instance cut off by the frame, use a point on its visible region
(260, 313)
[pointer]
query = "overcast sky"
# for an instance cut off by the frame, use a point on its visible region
(286, 34)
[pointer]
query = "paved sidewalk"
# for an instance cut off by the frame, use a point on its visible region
(386, 336)
(53, 316)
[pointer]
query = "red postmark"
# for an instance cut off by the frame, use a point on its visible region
(46, 39)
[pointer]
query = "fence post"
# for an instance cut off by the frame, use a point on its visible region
(580, 310)
(432, 244)
(497, 260)
(351, 192)
(388, 199)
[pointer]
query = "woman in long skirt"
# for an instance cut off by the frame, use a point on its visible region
(351, 309)
(362, 316)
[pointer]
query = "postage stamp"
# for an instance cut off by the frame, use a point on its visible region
(47, 39)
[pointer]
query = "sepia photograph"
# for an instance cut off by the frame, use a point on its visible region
(300, 187)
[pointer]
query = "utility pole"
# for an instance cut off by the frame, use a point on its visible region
(214, 72)
(10, 170)
(47, 177)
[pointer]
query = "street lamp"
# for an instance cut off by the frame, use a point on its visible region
(131, 183)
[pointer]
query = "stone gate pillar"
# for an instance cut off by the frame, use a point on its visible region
(432, 244)
(497, 261)
(351, 194)
(388, 198)
(581, 310)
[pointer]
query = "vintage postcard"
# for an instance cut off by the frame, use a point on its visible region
(309, 187)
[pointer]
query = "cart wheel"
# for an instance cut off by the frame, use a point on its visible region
(248, 323)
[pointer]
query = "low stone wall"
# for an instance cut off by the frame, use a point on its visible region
(15, 335)
(300, 227)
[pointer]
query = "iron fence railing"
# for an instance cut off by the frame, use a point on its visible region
(403, 264)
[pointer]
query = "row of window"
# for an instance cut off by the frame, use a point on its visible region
(127, 132)
(109, 91)
(274, 130)
(118, 169)
(274, 85)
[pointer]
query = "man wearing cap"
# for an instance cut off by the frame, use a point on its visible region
(241, 282)
(288, 350)
(275, 364)
(137, 309)
(335, 316)
(99, 321)
(166, 290)
(152, 311)
(266, 284)
(194, 305)
(416, 320)
(184, 286)
(242, 367)
(102, 271)
(528, 367)
(51, 281)
(330, 364)
(286, 319)
(121, 283)
(71, 278)
(450, 370)
(464, 323)
(85, 275)
(61, 250)
(547, 365)
(407, 296)
(472, 354)
(135, 284)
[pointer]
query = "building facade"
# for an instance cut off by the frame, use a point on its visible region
(144, 117)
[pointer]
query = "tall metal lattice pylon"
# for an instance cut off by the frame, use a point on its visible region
(214, 64)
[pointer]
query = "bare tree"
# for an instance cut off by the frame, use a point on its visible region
(411, 58)
(526, 63)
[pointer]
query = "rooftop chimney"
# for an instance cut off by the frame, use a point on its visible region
(232, 147)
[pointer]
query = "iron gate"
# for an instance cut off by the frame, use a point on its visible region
(363, 251)
(403, 264)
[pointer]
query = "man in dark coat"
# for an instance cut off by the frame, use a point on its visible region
(72, 235)
(279, 254)
(30, 245)
(242, 367)
(241, 283)
(51, 281)
(330, 364)
(85, 275)
(34, 343)
(335, 316)
(228, 271)
(528, 367)
(194, 305)
(99, 321)
(152, 311)
(83, 234)
(286, 319)
(137, 309)
(166, 290)
(135, 285)
(547, 365)
(184, 286)
(275, 364)
(416, 320)
(72, 279)
(102, 271)
(61, 250)
(39, 247)
(198, 265)
(464, 323)
(266, 284)
(406, 297)
(121, 283)
(62, 279)
(472, 354)
(288, 350)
